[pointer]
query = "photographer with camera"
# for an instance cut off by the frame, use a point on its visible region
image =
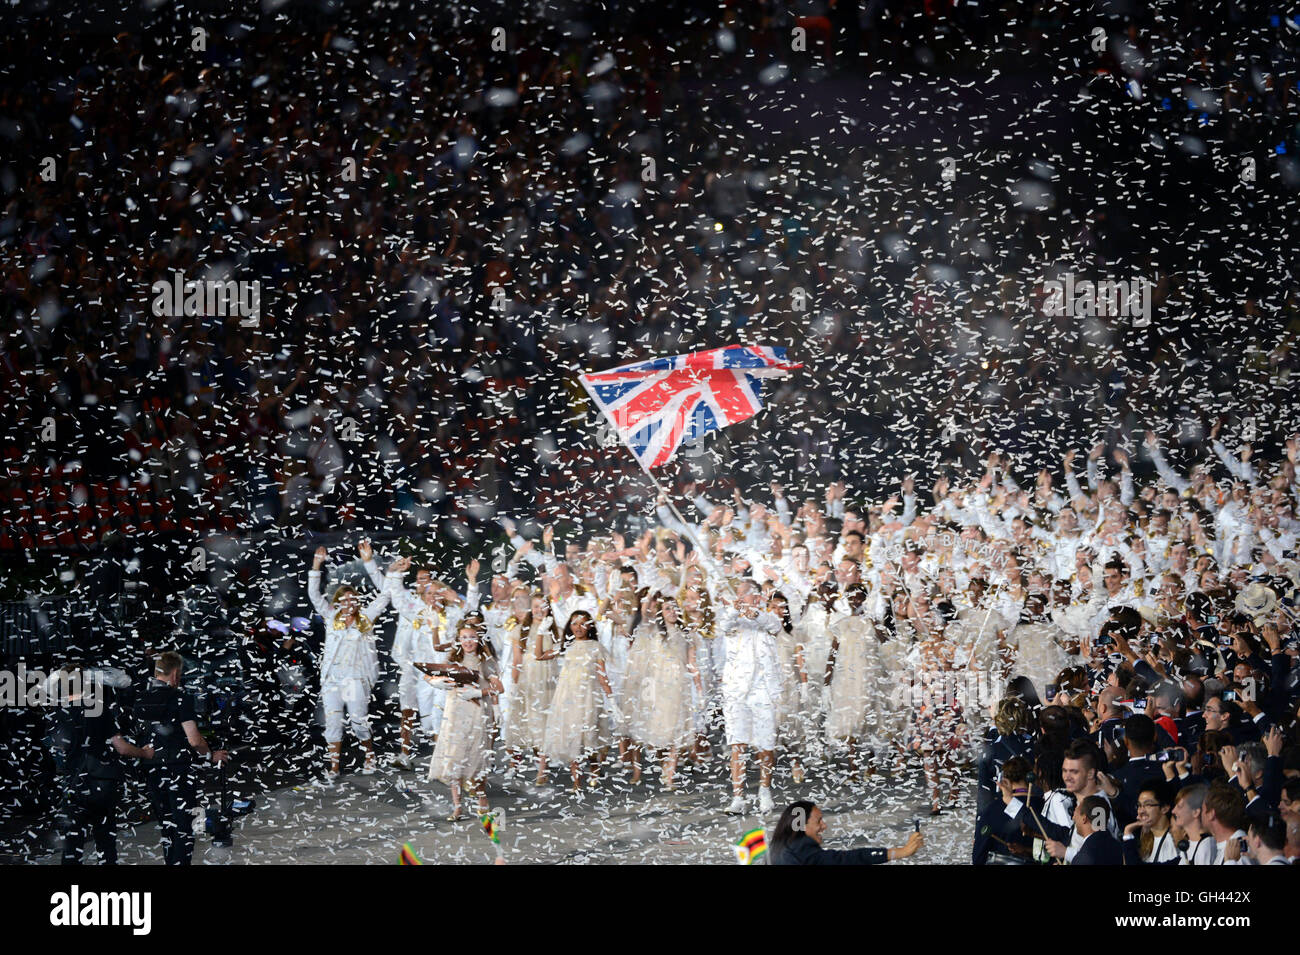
(86, 737)
(166, 718)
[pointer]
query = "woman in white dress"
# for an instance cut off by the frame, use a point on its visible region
(1038, 645)
(698, 621)
(893, 696)
(665, 721)
(812, 634)
(578, 725)
(636, 711)
(350, 660)
(616, 617)
(937, 728)
(850, 676)
(791, 726)
(464, 750)
(534, 638)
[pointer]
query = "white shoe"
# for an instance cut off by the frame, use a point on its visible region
(765, 803)
(736, 806)
(402, 761)
(369, 768)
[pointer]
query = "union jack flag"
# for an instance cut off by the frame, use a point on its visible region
(655, 405)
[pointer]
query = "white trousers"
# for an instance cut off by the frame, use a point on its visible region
(352, 695)
(749, 722)
(416, 693)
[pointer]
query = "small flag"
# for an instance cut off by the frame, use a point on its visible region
(408, 856)
(489, 823)
(751, 847)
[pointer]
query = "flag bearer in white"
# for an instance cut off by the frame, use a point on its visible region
(751, 686)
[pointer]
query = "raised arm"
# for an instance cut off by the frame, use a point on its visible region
(472, 592)
(1125, 477)
(318, 601)
(1092, 469)
(1167, 474)
(1239, 469)
(377, 606)
(1071, 482)
(909, 501)
(367, 555)
(403, 600)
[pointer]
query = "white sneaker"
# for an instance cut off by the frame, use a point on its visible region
(369, 768)
(736, 806)
(402, 761)
(765, 803)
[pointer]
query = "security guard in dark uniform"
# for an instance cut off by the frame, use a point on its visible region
(166, 720)
(85, 738)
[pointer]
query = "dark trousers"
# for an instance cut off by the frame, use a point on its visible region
(89, 807)
(171, 794)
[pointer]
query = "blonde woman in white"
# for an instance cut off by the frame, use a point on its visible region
(350, 661)
(430, 618)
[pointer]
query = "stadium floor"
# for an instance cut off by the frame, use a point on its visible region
(365, 820)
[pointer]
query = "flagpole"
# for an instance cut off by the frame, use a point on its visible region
(705, 558)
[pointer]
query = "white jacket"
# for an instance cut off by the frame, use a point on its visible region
(350, 652)
(751, 672)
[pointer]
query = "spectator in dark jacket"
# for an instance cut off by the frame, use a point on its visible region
(1009, 736)
(798, 841)
(1142, 766)
(999, 839)
(1091, 819)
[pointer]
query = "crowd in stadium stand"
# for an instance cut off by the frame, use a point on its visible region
(501, 235)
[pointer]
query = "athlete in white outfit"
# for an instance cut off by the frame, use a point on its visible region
(349, 664)
(751, 686)
(427, 624)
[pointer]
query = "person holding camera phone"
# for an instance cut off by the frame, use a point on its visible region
(999, 839)
(801, 829)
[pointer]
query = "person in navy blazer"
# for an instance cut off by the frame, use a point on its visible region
(1091, 818)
